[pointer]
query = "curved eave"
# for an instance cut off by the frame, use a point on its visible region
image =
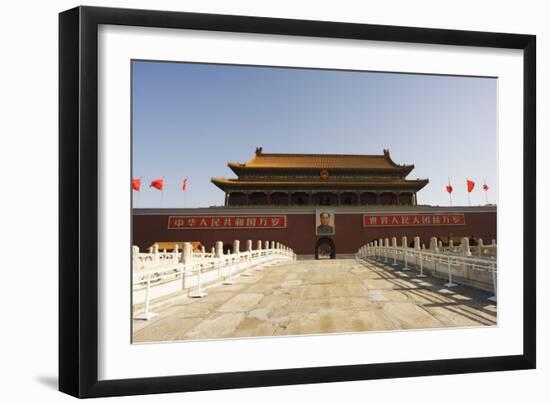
(240, 169)
(235, 167)
(393, 163)
(233, 184)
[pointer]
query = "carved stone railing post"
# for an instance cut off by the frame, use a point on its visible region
(219, 249)
(480, 247)
(465, 247)
(175, 251)
(187, 254)
(433, 244)
(229, 267)
(156, 253)
(259, 245)
(405, 245)
(394, 251)
(417, 243)
(135, 257)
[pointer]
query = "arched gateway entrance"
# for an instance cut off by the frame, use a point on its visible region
(325, 248)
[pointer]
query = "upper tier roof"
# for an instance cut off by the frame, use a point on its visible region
(320, 161)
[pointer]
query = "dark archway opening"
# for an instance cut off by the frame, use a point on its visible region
(325, 248)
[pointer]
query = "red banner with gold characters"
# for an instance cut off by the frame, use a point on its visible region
(428, 219)
(226, 222)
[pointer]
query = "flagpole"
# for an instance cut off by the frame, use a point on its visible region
(184, 188)
(162, 192)
(467, 190)
(140, 184)
(485, 189)
(450, 193)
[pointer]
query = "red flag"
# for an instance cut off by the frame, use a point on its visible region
(485, 187)
(158, 184)
(449, 188)
(184, 186)
(136, 184)
(470, 185)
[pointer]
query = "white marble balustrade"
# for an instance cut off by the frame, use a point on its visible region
(474, 266)
(157, 274)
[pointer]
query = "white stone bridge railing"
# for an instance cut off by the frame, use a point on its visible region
(456, 265)
(158, 274)
(478, 250)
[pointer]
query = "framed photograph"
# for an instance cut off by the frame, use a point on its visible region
(250, 201)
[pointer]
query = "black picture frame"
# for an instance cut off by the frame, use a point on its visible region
(78, 201)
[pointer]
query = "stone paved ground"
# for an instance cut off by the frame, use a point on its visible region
(312, 297)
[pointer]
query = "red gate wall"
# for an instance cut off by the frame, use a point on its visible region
(150, 226)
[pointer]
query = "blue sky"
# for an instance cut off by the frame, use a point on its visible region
(189, 120)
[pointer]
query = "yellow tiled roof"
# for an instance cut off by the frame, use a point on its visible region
(319, 161)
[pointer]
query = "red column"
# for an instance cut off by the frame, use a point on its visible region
(397, 202)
